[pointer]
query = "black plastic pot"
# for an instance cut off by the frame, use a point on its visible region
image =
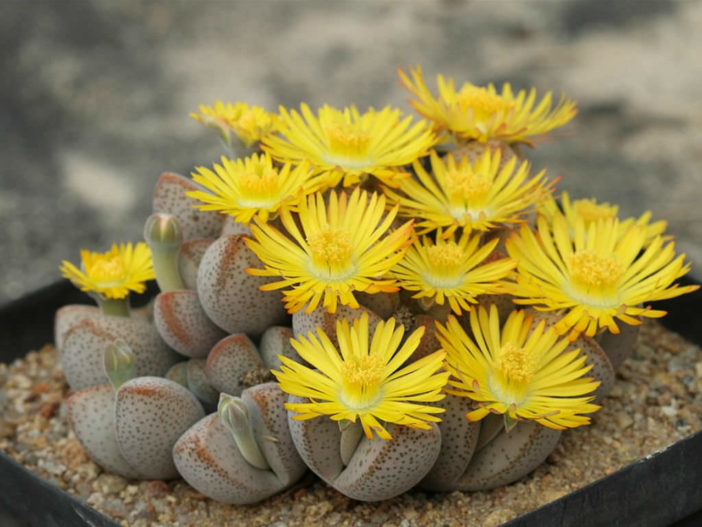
(662, 489)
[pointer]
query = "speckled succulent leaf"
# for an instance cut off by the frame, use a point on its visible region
(303, 323)
(229, 362)
(209, 460)
(199, 384)
(509, 456)
(317, 441)
(276, 341)
(459, 438)
(178, 373)
(380, 469)
(183, 324)
(84, 342)
(269, 420)
(596, 357)
(151, 413)
(169, 196)
(65, 317)
(351, 434)
(490, 427)
(619, 347)
(188, 259)
(231, 297)
(91, 414)
(602, 369)
(231, 226)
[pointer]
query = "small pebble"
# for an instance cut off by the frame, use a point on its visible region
(624, 420)
(670, 411)
(498, 517)
(110, 483)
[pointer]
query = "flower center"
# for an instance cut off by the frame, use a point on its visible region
(444, 258)
(463, 185)
(108, 268)
(594, 270)
(247, 121)
(361, 381)
(591, 211)
(483, 103)
(262, 185)
(331, 250)
(346, 140)
(515, 364)
(444, 269)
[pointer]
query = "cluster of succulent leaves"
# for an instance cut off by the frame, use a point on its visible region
(402, 248)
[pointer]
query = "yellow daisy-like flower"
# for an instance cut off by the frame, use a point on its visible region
(520, 370)
(249, 123)
(349, 144)
(481, 113)
(338, 251)
(112, 274)
(477, 196)
(243, 188)
(591, 212)
(451, 270)
(363, 379)
(596, 275)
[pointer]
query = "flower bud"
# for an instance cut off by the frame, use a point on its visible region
(235, 418)
(162, 231)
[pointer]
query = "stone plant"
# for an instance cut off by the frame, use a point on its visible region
(392, 303)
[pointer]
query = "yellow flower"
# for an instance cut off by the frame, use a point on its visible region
(519, 370)
(243, 188)
(481, 113)
(591, 212)
(363, 379)
(474, 196)
(249, 123)
(339, 250)
(112, 274)
(349, 144)
(451, 270)
(596, 274)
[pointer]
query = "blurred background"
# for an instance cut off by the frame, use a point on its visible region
(95, 96)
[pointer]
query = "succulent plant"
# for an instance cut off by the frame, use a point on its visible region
(366, 469)
(86, 333)
(359, 378)
(403, 255)
(130, 426)
(527, 388)
(82, 333)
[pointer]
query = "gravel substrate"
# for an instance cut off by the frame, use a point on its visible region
(656, 401)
